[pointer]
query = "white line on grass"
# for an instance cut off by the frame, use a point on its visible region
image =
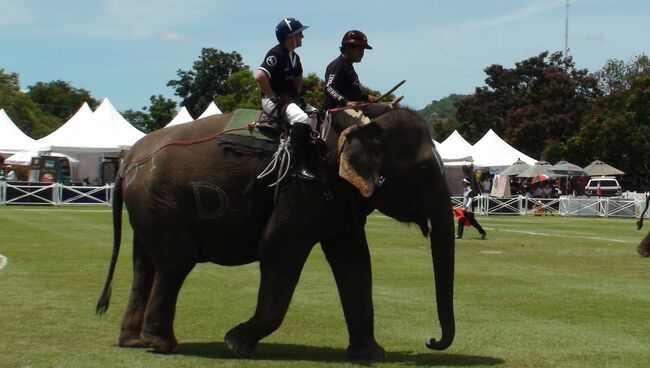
(542, 234)
(3, 261)
(561, 235)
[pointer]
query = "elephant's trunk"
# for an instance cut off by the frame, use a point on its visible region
(644, 247)
(442, 252)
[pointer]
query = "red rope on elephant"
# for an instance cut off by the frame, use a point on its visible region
(181, 143)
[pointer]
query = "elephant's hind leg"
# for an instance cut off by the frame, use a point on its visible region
(143, 275)
(158, 326)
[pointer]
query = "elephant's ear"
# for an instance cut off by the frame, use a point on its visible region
(360, 156)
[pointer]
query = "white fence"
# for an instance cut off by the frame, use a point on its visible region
(563, 206)
(59, 195)
(53, 194)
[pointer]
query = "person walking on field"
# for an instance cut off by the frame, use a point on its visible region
(468, 205)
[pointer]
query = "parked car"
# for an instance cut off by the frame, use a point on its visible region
(605, 186)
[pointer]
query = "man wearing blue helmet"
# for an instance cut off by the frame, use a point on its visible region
(280, 79)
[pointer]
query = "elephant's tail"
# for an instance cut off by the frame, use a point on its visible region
(639, 223)
(104, 299)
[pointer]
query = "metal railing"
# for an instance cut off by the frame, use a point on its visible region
(54, 194)
(563, 206)
(12, 193)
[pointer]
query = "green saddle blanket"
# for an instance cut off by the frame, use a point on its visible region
(248, 141)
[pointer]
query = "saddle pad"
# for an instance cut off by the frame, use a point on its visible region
(246, 141)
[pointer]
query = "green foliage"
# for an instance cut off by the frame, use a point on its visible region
(313, 90)
(60, 99)
(162, 110)
(617, 75)
(207, 79)
(441, 116)
(539, 292)
(139, 119)
(241, 92)
(534, 105)
(618, 131)
(24, 112)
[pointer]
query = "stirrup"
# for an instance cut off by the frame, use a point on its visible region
(304, 173)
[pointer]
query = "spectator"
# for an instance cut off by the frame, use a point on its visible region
(468, 206)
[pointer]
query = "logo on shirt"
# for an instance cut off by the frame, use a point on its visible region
(271, 61)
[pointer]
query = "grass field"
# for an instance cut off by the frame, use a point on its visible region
(539, 292)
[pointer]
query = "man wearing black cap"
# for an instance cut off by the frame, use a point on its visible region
(468, 205)
(342, 86)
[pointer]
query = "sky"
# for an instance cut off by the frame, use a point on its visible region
(128, 50)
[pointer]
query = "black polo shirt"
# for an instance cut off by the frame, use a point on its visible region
(342, 84)
(283, 68)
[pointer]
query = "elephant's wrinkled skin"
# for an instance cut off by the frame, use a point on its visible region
(199, 203)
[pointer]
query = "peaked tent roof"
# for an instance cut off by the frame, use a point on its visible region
(182, 117)
(69, 128)
(104, 131)
(12, 139)
(212, 109)
(455, 148)
(492, 151)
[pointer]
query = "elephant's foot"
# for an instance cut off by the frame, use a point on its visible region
(241, 345)
(131, 340)
(160, 344)
(373, 351)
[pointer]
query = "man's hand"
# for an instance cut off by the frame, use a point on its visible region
(372, 98)
(352, 104)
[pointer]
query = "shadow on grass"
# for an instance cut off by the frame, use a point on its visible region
(293, 352)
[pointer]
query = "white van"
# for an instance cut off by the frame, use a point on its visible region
(607, 186)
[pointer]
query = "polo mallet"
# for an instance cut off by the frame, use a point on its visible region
(398, 85)
(337, 109)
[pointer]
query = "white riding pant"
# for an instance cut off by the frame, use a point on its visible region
(292, 113)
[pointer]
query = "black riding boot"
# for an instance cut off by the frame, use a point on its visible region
(299, 140)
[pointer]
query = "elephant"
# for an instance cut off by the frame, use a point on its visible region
(189, 200)
(644, 247)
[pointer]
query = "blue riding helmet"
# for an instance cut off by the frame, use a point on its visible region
(288, 27)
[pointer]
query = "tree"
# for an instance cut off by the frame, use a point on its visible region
(162, 110)
(243, 92)
(538, 105)
(207, 79)
(441, 116)
(59, 98)
(617, 131)
(139, 119)
(156, 116)
(617, 75)
(22, 110)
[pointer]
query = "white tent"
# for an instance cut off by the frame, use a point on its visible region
(69, 128)
(182, 117)
(494, 153)
(88, 137)
(455, 148)
(12, 139)
(104, 131)
(212, 109)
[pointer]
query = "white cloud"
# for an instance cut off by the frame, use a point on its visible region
(516, 16)
(171, 37)
(596, 38)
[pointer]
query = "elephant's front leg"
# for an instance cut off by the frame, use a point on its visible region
(350, 262)
(281, 263)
